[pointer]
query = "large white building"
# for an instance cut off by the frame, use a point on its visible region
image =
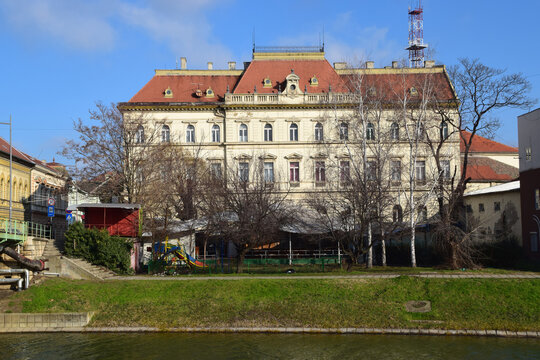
(296, 115)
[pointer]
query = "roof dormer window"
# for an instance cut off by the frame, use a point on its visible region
(267, 82)
(413, 91)
(168, 93)
(314, 81)
(293, 81)
(209, 93)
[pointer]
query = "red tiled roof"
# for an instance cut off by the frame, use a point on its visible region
(486, 169)
(481, 144)
(4, 147)
(184, 87)
(392, 85)
(278, 70)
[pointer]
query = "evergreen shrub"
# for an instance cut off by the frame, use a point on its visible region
(98, 247)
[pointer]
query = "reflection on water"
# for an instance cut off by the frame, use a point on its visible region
(261, 346)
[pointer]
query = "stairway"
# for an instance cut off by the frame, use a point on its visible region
(72, 267)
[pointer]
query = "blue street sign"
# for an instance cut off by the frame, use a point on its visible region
(69, 217)
(50, 211)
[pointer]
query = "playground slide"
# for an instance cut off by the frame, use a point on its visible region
(182, 255)
(189, 259)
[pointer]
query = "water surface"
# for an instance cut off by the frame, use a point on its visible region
(261, 346)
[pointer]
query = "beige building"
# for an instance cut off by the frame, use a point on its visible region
(495, 212)
(296, 117)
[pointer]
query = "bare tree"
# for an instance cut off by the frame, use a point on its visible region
(248, 209)
(480, 90)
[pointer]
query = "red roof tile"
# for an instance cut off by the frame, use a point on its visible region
(184, 87)
(481, 144)
(486, 169)
(4, 147)
(278, 70)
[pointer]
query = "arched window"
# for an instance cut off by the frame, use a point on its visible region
(397, 213)
(344, 131)
(139, 135)
(243, 133)
(420, 130)
(394, 131)
(370, 131)
(422, 214)
(2, 189)
(190, 134)
(267, 132)
(165, 134)
(215, 133)
(319, 134)
(444, 130)
(293, 132)
(14, 191)
(20, 195)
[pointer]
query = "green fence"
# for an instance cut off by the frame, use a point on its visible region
(250, 266)
(14, 231)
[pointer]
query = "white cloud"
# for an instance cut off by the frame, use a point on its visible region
(97, 25)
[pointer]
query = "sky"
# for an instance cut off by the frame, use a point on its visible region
(60, 57)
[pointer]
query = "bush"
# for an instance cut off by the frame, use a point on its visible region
(98, 247)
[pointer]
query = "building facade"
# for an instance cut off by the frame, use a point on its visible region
(299, 120)
(529, 175)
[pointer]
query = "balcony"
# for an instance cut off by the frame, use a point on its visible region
(321, 98)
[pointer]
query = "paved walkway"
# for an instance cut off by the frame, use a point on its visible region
(322, 277)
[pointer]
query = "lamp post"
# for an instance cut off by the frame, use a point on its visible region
(10, 170)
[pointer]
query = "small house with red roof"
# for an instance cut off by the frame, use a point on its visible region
(490, 163)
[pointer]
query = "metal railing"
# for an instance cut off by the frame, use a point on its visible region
(14, 230)
(40, 230)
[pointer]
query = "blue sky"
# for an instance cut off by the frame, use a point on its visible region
(59, 57)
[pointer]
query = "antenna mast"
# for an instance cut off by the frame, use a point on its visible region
(416, 36)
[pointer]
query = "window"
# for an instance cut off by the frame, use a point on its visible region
(420, 171)
(534, 242)
(344, 172)
(497, 206)
(537, 199)
(394, 131)
(370, 131)
(420, 131)
(371, 170)
(528, 153)
(165, 134)
(319, 134)
(344, 131)
(395, 170)
(397, 213)
(243, 133)
(444, 130)
(294, 175)
(215, 168)
(481, 207)
(139, 135)
(267, 132)
(320, 171)
(190, 134)
(215, 133)
(243, 171)
(422, 214)
(445, 169)
(269, 172)
(293, 132)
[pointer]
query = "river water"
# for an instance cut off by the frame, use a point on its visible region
(261, 346)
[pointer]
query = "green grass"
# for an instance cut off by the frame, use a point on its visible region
(456, 303)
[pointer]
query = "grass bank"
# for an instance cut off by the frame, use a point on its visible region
(456, 303)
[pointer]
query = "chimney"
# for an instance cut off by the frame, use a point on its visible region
(429, 63)
(210, 65)
(369, 64)
(340, 65)
(183, 63)
(232, 65)
(395, 65)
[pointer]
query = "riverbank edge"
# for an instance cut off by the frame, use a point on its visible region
(278, 330)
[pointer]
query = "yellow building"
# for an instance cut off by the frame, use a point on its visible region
(20, 191)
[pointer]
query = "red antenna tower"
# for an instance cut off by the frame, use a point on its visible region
(416, 36)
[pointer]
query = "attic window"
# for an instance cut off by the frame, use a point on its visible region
(168, 93)
(267, 82)
(198, 92)
(413, 91)
(209, 93)
(372, 91)
(314, 81)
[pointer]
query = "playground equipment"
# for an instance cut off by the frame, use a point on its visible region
(173, 253)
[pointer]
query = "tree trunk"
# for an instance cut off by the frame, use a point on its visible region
(240, 260)
(370, 248)
(383, 248)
